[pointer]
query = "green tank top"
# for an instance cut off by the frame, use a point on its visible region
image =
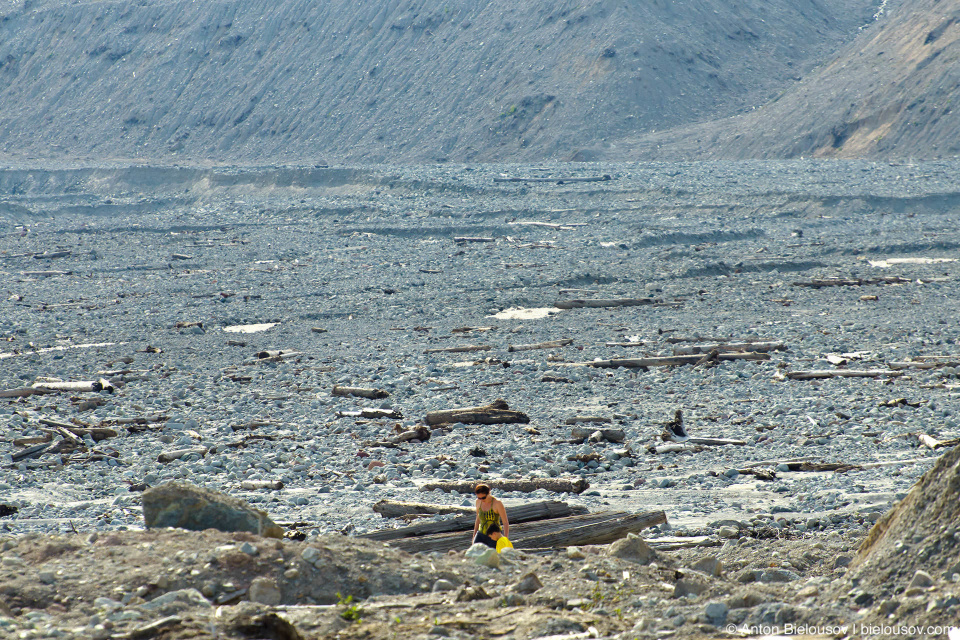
(488, 519)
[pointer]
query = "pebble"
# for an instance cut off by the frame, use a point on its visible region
(265, 591)
(574, 553)
(716, 613)
(443, 585)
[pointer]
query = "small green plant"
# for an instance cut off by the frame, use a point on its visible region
(351, 612)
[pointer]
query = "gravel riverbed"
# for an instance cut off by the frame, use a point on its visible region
(168, 283)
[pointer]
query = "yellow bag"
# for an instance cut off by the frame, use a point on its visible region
(503, 543)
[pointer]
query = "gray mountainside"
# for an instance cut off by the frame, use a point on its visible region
(397, 80)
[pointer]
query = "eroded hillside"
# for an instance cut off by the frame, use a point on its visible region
(255, 81)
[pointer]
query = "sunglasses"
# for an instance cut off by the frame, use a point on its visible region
(482, 495)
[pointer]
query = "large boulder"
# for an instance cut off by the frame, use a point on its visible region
(183, 505)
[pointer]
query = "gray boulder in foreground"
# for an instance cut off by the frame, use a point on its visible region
(183, 505)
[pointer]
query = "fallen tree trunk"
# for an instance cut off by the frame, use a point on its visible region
(603, 178)
(24, 392)
(372, 394)
(372, 414)
(555, 485)
(553, 344)
(599, 303)
(472, 239)
(593, 528)
(817, 374)
(466, 349)
(531, 512)
(669, 361)
(397, 508)
(715, 442)
(850, 282)
(729, 347)
(86, 386)
(497, 412)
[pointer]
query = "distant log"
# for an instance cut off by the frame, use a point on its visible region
(87, 386)
(604, 178)
(850, 282)
(170, 456)
(555, 485)
(373, 394)
(670, 361)
(462, 239)
(24, 392)
(497, 412)
(97, 433)
(553, 344)
(817, 374)
(465, 349)
(729, 347)
(602, 303)
(372, 414)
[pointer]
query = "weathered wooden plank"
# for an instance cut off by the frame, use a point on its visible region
(372, 394)
(729, 347)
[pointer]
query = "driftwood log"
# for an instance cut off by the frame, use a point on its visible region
(24, 392)
(850, 282)
(598, 303)
(553, 344)
(497, 412)
(398, 509)
(531, 512)
(555, 485)
(372, 394)
(372, 414)
(604, 178)
(729, 347)
(85, 386)
(464, 349)
(594, 528)
(669, 361)
(817, 374)
(97, 433)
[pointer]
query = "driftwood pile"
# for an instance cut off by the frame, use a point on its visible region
(533, 526)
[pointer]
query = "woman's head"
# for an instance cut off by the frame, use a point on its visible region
(482, 490)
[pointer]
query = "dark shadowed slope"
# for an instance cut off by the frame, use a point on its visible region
(398, 80)
(893, 93)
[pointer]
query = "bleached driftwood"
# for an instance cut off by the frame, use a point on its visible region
(361, 392)
(465, 349)
(372, 414)
(555, 485)
(598, 303)
(850, 282)
(729, 347)
(24, 392)
(84, 386)
(669, 361)
(497, 412)
(817, 374)
(463, 239)
(553, 344)
(97, 433)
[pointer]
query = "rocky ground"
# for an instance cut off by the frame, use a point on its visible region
(168, 282)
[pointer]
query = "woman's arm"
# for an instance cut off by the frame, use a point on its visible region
(503, 518)
(476, 524)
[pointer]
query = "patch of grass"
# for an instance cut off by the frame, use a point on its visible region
(351, 611)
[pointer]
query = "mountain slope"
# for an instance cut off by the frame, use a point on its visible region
(892, 93)
(394, 80)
